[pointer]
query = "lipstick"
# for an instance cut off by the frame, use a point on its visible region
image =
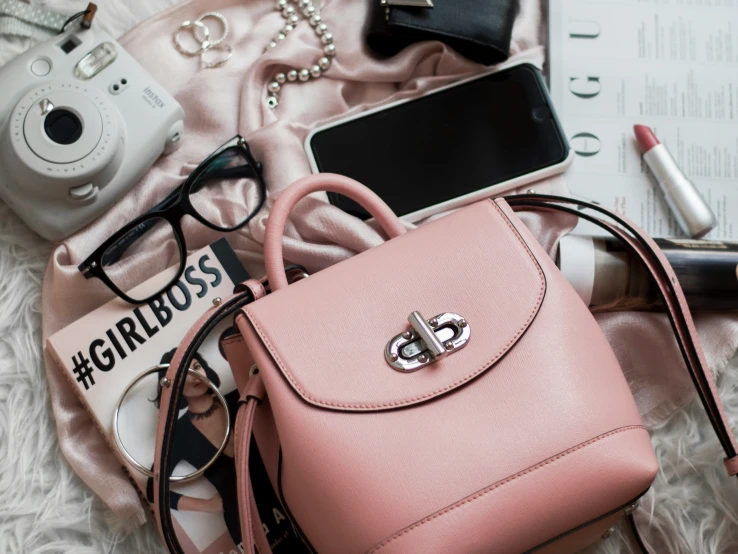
(691, 211)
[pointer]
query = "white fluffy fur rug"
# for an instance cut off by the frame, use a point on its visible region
(46, 509)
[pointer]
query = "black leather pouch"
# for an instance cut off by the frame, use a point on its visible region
(478, 29)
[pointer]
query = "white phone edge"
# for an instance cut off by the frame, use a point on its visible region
(459, 201)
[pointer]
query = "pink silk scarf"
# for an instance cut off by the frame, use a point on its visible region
(231, 99)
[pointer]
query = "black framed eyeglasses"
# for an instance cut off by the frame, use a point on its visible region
(223, 193)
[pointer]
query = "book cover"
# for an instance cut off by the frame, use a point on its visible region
(106, 350)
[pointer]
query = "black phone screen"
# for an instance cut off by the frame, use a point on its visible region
(446, 144)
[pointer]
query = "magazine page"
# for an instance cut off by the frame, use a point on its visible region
(122, 350)
(669, 65)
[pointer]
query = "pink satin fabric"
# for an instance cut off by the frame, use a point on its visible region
(222, 102)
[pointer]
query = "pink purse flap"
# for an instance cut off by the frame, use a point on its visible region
(328, 333)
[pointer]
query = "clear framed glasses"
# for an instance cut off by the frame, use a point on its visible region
(223, 193)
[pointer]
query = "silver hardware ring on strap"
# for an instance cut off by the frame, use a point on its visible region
(145, 470)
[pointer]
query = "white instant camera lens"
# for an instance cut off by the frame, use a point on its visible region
(63, 126)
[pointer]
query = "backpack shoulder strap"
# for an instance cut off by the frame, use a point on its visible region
(680, 317)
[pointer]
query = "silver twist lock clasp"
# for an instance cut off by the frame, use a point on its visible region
(428, 341)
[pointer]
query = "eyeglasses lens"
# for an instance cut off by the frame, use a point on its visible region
(146, 260)
(228, 192)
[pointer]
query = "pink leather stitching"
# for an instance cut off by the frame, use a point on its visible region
(232, 339)
(254, 389)
(499, 484)
(257, 288)
(413, 400)
(731, 464)
(261, 290)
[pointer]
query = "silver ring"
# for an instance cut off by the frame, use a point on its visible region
(218, 62)
(204, 44)
(145, 470)
(212, 15)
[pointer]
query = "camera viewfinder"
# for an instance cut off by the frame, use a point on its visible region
(69, 44)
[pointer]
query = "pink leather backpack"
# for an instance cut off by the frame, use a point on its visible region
(446, 391)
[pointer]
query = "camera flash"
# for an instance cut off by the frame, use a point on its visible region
(93, 63)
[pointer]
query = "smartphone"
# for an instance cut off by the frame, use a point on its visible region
(452, 146)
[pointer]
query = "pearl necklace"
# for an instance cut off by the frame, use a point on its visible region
(290, 10)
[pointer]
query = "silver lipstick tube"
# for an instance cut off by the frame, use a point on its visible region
(690, 210)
